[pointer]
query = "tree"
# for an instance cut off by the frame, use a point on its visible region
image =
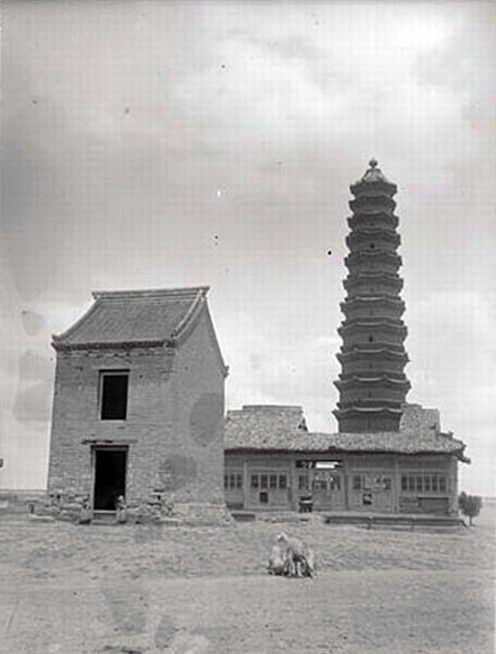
(470, 505)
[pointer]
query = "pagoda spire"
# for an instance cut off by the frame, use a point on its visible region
(372, 384)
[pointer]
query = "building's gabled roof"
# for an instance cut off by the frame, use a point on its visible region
(275, 429)
(261, 425)
(135, 317)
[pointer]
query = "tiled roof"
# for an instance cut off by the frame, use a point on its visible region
(149, 316)
(263, 425)
(265, 429)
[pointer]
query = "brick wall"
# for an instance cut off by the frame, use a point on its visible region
(416, 418)
(174, 424)
(198, 398)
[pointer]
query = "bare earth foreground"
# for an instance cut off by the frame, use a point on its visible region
(104, 589)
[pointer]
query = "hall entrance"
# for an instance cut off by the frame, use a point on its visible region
(321, 484)
(327, 490)
(110, 477)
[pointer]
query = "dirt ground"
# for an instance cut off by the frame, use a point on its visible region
(72, 589)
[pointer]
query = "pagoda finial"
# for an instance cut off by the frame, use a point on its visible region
(372, 175)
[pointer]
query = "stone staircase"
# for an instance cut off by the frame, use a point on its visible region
(410, 521)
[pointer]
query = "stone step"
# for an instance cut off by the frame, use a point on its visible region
(243, 516)
(405, 520)
(104, 517)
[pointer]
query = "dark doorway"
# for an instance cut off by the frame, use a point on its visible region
(110, 478)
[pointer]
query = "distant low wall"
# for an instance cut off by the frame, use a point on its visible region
(17, 501)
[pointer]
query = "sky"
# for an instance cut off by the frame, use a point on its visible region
(164, 144)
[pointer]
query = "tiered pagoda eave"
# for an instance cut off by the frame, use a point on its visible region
(372, 384)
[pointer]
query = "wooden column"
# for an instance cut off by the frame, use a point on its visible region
(396, 485)
(345, 483)
(293, 482)
(246, 481)
(453, 485)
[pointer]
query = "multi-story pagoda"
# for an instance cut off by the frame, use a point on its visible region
(388, 456)
(372, 385)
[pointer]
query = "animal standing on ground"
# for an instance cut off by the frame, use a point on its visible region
(300, 558)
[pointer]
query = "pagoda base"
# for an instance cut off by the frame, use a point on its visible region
(360, 424)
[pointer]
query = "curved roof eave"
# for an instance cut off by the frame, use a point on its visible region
(87, 314)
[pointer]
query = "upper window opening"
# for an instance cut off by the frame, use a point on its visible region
(114, 387)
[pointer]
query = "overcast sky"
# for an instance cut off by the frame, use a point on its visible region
(162, 144)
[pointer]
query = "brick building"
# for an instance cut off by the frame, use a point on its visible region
(139, 401)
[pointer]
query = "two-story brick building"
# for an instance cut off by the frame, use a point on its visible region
(139, 401)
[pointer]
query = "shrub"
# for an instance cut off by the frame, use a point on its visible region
(470, 505)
